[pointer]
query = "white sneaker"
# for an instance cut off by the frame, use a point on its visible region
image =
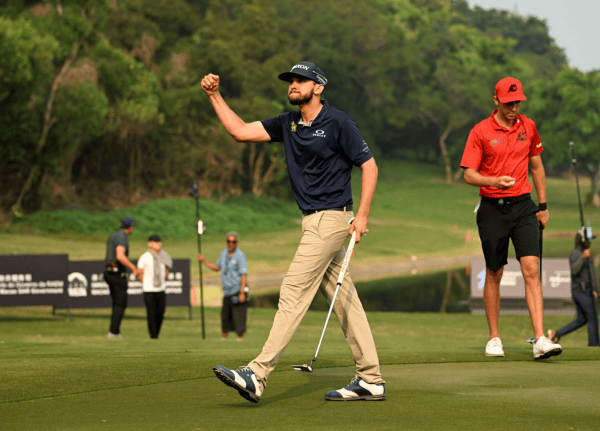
(494, 348)
(544, 348)
(111, 335)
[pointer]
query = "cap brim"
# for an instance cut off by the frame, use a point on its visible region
(286, 76)
(516, 98)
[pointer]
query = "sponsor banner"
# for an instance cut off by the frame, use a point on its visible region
(33, 279)
(556, 279)
(556, 287)
(87, 288)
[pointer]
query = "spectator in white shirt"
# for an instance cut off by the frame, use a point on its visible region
(154, 267)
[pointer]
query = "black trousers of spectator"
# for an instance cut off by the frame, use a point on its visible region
(233, 316)
(118, 294)
(587, 312)
(156, 302)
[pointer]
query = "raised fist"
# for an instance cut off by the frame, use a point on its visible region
(210, 84)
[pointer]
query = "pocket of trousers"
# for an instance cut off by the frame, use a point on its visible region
(333, 224)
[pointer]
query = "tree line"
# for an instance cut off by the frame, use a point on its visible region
(102, 106)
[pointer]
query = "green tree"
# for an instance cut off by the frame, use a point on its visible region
(565, 110)
(533, 41)
(64, 26)
(464, 66)
(240, 41)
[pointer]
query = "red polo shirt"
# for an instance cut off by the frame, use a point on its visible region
(495, 151)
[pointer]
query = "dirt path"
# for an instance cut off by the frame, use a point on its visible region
(359, 271)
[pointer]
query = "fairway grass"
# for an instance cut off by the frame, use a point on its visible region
(59, 375)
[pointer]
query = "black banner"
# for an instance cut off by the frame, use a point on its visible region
(33, 279)
(87, 288)
(54, 280)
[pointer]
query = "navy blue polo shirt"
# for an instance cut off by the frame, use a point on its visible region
(320, 156)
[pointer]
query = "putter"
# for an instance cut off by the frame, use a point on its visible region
(308, 368)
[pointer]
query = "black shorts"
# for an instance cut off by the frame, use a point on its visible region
(498, 221)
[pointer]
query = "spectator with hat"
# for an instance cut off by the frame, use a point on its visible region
(154, 266)
(234, 272)
(116, 264)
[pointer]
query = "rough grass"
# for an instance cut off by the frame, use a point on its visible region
(414, 213)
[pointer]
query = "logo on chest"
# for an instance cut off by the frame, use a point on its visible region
(294, 127)
(495, 142)
(522, 136)
(320, 134)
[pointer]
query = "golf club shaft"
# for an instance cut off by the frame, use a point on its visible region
(337, 288)
(541, 229)
(574, 160)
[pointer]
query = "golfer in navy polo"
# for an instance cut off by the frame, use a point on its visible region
(322, 144)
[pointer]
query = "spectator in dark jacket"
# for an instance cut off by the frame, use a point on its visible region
(583, 282)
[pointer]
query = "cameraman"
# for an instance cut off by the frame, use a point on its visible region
(582, 290)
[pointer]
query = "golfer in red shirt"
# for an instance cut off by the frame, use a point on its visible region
(497, 156)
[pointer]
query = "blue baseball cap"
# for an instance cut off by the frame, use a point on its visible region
(127, 221)
(305, 69)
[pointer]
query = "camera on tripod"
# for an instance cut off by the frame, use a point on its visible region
(586, 233)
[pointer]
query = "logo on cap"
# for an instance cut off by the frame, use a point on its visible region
(512, 88)
(307, 70)
(320, 78)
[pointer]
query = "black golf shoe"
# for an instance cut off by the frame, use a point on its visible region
(244, 380)
(358, 389)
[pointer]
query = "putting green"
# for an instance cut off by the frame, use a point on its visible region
(497, 395)
(68, 376)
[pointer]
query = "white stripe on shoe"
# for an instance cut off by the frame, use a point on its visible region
(239, 379)
(373, 388)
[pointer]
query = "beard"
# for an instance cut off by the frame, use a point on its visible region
(299, 100)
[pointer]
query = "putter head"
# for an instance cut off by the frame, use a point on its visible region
(302, 367)
(531, 340)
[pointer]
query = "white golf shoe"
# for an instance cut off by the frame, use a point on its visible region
(494, 348)
(544, 348)
(358, 389)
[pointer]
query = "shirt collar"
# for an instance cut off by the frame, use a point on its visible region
(317, 120)
(498, 126)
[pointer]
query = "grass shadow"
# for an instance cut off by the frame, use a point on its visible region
(315, 384)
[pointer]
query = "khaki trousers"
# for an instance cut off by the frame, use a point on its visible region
(316, 266)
